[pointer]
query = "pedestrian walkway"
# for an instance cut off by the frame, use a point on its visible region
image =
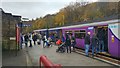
(65, 59)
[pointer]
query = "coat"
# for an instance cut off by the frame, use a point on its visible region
(87, 39)
(34, 37)
(94, 41)
(26, 38)
(67, 41)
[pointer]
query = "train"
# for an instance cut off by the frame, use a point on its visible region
(110, 30)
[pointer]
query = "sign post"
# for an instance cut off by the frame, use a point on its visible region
(17, 37)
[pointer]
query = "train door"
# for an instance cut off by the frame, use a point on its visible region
(102, 33)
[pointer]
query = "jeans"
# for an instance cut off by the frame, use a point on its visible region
(94, 48)
(86, 49)
(101, 45)
(68, 48)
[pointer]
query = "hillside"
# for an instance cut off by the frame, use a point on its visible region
(78, 12)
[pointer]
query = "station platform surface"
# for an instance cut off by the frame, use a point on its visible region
(10, 58)
(65, 59)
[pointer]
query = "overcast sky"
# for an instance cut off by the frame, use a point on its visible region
(32, 9)
(35, 8)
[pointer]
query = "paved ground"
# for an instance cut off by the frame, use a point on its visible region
(9, 58)
(30, 57)
(65, 59)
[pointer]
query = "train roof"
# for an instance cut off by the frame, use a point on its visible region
(85, 24)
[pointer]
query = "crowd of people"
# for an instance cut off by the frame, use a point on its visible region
(66, 41)
(28, 38)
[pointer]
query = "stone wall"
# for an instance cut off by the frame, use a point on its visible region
(9, 22)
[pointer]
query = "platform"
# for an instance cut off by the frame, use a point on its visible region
(65, 59)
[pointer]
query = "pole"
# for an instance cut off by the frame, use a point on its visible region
(16, 38)
(9, 37)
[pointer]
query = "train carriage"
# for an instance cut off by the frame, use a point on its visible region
(111, 36)
(108, 28)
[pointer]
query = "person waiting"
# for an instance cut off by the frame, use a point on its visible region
(87, 43)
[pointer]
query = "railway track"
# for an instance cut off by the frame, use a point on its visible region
(100, 57)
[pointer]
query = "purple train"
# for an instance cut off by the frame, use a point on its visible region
(110, 30)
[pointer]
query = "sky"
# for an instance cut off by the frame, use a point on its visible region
(33, 9)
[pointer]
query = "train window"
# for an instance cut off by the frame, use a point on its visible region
(80, 34)
(77, 34)
(82, 31)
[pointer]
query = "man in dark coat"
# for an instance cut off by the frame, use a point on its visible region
(34, 38)
(94, 42)
(101, 40)
(68, 43)
(87, 43)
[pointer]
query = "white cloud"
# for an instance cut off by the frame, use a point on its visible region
(37, 8)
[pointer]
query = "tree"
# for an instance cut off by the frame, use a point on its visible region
(77, 12)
